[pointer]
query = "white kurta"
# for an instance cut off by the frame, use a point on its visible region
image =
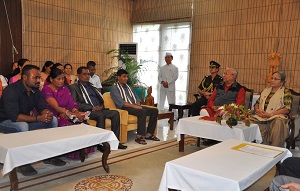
(167, 73)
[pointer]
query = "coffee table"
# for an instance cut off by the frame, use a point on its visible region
(181, 107)
(219, 167)
(164, 115)
(212, 130)
(22, 148)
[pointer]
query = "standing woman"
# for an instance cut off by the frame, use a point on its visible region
(68, 74)
(22, 62)
(45, 72)
(271, 110)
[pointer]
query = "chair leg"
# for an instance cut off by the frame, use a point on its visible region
(198, 141)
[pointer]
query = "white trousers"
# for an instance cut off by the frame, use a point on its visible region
(163, 93)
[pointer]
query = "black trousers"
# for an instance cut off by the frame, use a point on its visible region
(113, 115)
(141, 115)
(196, 106)
(290, 167)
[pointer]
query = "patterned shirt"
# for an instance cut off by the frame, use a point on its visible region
(287, 99)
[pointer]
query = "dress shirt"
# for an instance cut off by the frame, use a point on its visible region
(117, 98)
(15, 101)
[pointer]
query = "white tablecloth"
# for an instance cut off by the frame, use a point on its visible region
(218, 168)
(27, 147)
(213, 130)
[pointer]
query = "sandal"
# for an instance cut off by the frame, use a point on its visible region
(152, 137)
(141, 141)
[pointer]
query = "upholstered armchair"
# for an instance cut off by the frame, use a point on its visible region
(128, 122)
(294, 123)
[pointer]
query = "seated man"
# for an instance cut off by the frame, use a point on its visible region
(289, 176)
(90, 99)
(17, 104)
(125, 98)
(229, 91)
(206, 87)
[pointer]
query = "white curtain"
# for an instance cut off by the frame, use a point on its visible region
(153, 43)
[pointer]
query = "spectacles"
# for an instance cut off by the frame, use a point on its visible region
(212, 67)
(275, 79)
(225, 73)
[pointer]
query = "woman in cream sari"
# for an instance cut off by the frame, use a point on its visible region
(271, 110)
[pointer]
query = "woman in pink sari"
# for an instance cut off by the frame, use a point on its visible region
(60, 102)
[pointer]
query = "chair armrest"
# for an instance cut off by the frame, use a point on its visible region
(123, 115)
(149, 106)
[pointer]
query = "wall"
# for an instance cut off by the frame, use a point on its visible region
(13, 8)
(75, 31)
(241, 34)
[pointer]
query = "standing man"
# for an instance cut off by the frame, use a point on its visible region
(94, 79)
(167, 76)
(125, 98)
(206, 87)
(229, 91)
(90, 99)
(17, 106)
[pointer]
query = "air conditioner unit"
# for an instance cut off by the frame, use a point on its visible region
(130, 48)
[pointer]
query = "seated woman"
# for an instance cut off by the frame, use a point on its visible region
(22, 62)
(45, 72)
(271, 111)
(60, 102)
(3, 84)
(68, 74)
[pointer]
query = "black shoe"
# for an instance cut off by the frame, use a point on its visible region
(122, 146)
(54, 161)
(27, 170)
(100, 148)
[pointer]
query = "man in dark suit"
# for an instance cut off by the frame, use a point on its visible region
(89, 99)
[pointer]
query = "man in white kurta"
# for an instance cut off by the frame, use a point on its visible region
(167, 76)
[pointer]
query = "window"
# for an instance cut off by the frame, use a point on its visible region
(153, 43)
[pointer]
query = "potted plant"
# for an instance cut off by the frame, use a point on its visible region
(131, 65)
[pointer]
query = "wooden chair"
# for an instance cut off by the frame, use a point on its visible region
(294, 123)
(248, 98)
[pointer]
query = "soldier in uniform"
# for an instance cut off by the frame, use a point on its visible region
(206, 87)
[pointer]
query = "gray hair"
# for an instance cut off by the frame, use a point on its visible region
(282, 76)
(235, 73)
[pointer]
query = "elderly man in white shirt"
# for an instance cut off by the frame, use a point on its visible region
(94, 78)
(167, 76)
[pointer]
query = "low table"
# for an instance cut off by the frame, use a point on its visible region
(164, 114)
(22, 148)
(218, 167)
(212, 130)
(181, 107)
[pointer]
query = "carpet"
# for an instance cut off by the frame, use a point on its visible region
(130, 170)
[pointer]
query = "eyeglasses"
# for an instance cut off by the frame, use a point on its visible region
(212, 67)
(225, 73)
(275, 79)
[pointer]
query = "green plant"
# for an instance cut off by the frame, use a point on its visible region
(131, 66)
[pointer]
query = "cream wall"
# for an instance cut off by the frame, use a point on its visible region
(75, 31)
(241, 34)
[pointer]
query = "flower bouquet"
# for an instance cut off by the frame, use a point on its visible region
(233, 114)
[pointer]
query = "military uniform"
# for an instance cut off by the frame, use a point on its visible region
(207, 84)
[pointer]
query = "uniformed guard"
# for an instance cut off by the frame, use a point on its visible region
(206, 87)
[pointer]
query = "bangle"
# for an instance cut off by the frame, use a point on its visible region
(66, 111)
(36, 118)
(74, 110)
